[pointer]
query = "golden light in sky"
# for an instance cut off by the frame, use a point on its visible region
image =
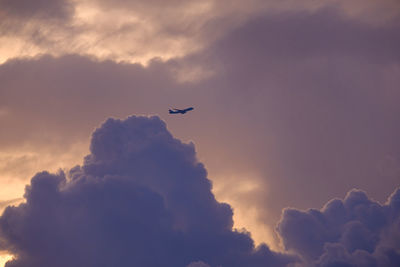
(4, 258)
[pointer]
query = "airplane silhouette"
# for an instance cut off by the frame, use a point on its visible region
(180, 111)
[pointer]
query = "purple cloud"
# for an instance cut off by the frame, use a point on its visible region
(141, 198)
(356, 231)
(198, 264)
(5, 203)
(308, 100)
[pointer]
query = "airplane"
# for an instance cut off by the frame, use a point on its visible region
(180, 111)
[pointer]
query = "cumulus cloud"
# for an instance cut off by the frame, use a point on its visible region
(140, 198)
(356, 231)
(5, 203)
(198, 264)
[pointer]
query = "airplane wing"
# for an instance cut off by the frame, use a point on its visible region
(181, 111)
(188, 109)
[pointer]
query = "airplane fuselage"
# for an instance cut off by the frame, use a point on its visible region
(180, 111)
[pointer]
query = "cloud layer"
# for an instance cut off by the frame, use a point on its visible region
(137, 31)
(141, 198)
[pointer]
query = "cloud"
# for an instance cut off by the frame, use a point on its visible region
(293, 98)
(356, 231)
(25, 9)
(320, 89)
(137, 31)
(5, 203)
(323, 113)
(40, 93)
(141, 198)
(133, 31)
(66, 86)
(198, 264)
(30, 24)
(29, 28)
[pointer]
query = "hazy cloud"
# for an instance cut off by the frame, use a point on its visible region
(25, 9)
(319, 93)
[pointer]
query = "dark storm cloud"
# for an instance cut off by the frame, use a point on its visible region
(140, 199)
(356, 231)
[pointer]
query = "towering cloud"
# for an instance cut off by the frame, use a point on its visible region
(356, 231)
(140, 199)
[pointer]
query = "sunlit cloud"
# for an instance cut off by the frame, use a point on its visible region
(4, 258)
(140, 31)
(16, 168)
(243, 191)
(108, 33)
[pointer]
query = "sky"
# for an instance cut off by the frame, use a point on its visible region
(291, 156)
